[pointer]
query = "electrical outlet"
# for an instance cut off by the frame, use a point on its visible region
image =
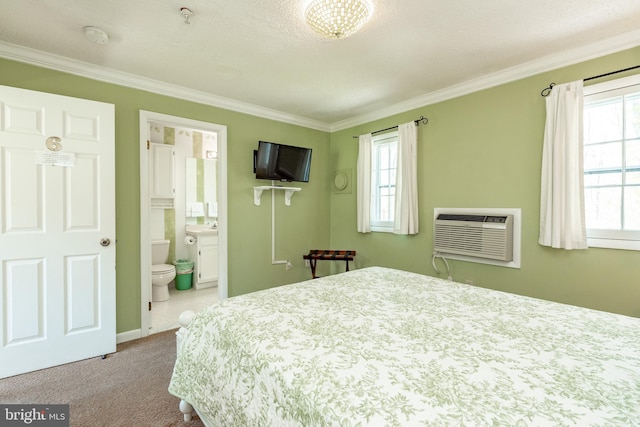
(307, 263)
(289, 265)
(469, 282)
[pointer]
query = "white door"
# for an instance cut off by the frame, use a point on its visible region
(57, 230)
(163, 158)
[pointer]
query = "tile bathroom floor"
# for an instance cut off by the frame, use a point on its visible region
(164, 314)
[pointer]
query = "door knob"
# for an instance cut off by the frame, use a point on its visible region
(105, 242)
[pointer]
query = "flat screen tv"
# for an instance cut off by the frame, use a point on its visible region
(281, 162)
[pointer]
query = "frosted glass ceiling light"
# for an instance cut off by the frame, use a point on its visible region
(337, 19)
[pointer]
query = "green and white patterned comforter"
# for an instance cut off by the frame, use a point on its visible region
(382, 347)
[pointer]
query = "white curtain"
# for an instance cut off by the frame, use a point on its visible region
(364, 184)
(406, 209)
(562, 223)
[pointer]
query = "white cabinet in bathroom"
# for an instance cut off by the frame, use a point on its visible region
(205, 255)
(162, 158)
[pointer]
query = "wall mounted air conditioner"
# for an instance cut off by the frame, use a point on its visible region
(481, 236)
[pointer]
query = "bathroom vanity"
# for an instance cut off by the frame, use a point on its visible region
(204, 253)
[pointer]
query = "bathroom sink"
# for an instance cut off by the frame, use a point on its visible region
(200, 229)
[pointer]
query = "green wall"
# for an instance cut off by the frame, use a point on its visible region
(484, 150)
(303, 225)
(479, 150)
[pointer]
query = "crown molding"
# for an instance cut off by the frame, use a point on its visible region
(83, 69)
(547, 63)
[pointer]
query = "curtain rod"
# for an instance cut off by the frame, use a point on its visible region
(547, 90)
(422, 119)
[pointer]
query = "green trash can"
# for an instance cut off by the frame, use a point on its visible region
(184, 272)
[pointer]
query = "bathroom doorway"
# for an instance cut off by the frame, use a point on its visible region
(206, 142)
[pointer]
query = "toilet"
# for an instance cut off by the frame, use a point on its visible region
(161, 273)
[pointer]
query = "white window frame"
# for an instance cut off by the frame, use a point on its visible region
(612, 239)
(376, 142)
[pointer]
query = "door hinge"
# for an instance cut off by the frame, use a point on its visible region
(149, 305)
(148, 144)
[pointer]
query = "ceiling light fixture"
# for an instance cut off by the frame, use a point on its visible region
(96, 35)
(337, 19)
(186, 14)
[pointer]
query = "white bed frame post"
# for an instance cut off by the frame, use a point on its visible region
(184, 320)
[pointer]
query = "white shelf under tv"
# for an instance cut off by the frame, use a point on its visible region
(288, 193)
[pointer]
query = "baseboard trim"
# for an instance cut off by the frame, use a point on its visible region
(128, 336)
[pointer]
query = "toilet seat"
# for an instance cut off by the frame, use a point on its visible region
(162, 268)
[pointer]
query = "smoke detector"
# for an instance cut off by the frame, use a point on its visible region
(96, 35)
(186, 14)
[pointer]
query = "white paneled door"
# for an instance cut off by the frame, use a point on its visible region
(57, 230)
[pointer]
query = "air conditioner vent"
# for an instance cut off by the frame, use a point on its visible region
(482, 236)
(456, 217)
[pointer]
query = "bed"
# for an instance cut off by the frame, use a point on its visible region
(383, 347)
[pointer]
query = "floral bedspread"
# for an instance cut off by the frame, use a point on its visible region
(382, 347)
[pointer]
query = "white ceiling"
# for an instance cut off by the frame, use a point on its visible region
(259, 56)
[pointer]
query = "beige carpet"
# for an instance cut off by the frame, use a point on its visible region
(128, 388)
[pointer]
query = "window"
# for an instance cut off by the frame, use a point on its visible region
(612, 163)
(384, 152)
